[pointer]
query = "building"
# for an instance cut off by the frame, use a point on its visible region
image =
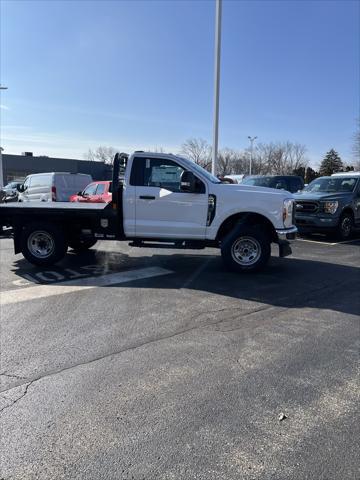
(17, 167)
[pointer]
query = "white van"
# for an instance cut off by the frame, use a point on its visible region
(53, 187)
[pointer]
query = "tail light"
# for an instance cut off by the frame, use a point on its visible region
(53, 194)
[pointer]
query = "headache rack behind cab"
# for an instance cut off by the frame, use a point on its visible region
(119, 165)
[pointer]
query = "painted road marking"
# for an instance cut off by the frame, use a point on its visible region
(326, 243)
(43, 291)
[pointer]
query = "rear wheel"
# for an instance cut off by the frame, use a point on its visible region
(81, 245)
(345, 227)
(246, 249)
(43, 244)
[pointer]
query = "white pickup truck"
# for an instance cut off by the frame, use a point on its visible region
(165, 201)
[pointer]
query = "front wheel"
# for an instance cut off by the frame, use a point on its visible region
(43, 244)
(345, 227)
(246, 249)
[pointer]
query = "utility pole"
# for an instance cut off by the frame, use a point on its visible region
(1, 149)
(216, 84)
(252, 139)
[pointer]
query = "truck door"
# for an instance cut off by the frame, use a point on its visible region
(161, 209)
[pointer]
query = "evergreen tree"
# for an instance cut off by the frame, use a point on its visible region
(310, 175)
(331, 164)
(300, 172)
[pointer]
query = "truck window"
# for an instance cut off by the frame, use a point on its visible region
(100, 189)
(280, 184)
(156, 172)
(295, 184)
(332, 184)
(90, 189)
(160, 173)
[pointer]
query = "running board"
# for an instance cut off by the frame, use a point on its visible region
(177, 245)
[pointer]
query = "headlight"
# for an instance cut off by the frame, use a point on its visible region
(330, 207)
(288, 212)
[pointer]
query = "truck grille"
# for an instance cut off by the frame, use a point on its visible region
(306, 207)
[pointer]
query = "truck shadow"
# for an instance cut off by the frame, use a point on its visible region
(288, 283)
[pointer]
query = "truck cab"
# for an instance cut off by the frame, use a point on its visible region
(168, 197)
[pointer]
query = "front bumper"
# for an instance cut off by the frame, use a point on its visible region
(316, 223)
(286, 234)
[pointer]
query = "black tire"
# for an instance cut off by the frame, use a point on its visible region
(81, 245)
(345, 227)
(246, 249)
(43, 244)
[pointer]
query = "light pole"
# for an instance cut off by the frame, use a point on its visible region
(216, 84)
(1, 149)
(252, 139)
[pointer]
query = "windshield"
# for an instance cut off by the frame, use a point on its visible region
(202, 171)
(332, 184)
(258, 181)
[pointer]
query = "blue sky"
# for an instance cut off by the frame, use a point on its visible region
(139, 74)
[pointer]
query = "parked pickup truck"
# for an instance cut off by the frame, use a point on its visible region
(165, 201)
(330, 204)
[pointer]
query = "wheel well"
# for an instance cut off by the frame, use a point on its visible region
(347, 210)
(248, 218)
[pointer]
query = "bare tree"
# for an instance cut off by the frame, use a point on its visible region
(225, 160)
(280, 158)
(232, 161)
(101, 154)
(198, 150)
(240, 163)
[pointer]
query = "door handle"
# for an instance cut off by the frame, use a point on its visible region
(147, 197)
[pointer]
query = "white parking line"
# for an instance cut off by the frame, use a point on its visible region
(43, 291)
(326, 243)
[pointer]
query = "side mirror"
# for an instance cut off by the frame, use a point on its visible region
(187, 182)
(21, 188)
(80, 194)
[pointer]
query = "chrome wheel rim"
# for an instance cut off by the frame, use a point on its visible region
(246, 251)
(40, 244)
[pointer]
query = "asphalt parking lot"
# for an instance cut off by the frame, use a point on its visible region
(125, 363)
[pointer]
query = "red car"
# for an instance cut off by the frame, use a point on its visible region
(95, 192)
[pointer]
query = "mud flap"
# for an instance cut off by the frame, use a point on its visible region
(284, 249)
(17, 239)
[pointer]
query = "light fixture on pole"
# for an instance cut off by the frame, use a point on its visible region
(216, 84)
(252, 139)
(1, 149)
